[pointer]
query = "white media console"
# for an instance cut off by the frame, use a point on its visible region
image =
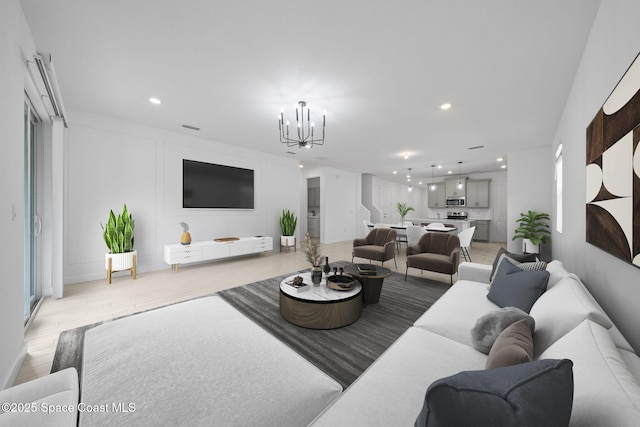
(176, 253)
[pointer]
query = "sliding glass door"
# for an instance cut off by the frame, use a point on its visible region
(32, 222)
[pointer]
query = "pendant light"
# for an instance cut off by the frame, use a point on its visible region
(433, 185)
(460, 184)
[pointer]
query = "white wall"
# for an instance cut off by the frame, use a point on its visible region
(15, 45)
(613, 43)
(530, 178)
(400, 193)
(111, 162)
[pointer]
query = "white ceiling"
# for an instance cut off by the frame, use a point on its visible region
(379, 69)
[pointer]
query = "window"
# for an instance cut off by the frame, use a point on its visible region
(32, 207)
(558, 178)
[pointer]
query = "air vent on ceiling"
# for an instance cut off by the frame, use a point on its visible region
(476, 147)
(190, 127)
(291, 152)
(322, 158)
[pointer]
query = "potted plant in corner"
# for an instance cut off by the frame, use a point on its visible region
(403, 210)
(288, 224)
(118, 236)
(533, 229)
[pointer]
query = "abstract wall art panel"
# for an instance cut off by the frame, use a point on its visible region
(613, 171)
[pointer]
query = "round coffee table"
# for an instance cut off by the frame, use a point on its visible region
(319, 307)
(371, 279)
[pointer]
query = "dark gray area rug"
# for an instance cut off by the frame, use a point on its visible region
(342, 353)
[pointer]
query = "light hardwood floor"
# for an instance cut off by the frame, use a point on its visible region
(90, 302)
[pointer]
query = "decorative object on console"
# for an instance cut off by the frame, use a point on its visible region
(119, 238)
(533, 230)
(502, 396)
(226, 239)
(312, 253)
(185, 238)
(613, 171)
(304, 134)
(288, 224)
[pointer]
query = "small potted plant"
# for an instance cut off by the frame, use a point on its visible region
(312, 253)
(119, 238)
(533, 229)
(185, 238)
(288, 224)
(403, 210)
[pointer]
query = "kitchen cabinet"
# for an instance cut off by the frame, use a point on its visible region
(313, 196)
(478, 194)
(436, 198)
(482, 229)
(451, 187)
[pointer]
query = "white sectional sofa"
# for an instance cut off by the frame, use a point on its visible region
(569, 325)
(391, 392)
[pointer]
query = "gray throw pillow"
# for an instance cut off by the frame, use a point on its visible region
(538, 393)
(517, 257)
(513, 287)
(489, 326)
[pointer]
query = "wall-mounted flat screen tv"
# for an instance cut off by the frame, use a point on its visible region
(207, 185)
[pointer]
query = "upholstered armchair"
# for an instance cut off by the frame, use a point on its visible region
(435, 251)
(379, 245)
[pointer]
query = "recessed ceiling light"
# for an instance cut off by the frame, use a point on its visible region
(503, 166)
(301, 166)
(406, 156)
(439, 166)
(499, 159)
(155, 101)
(445, 106)
(420, 183)
(395, 172)
(449, 172)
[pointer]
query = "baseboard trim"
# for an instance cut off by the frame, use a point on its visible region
(17, 365)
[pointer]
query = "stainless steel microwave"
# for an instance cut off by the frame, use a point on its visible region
(456, 201)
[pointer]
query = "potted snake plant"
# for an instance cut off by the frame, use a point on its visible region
(288, 224)
(119, 238)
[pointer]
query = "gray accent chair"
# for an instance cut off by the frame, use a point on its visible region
(436, 251)
(379, 245)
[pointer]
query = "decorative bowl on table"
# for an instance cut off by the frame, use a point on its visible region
(340, 282)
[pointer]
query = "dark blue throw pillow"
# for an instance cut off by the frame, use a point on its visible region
(538, 393)
(512, 287)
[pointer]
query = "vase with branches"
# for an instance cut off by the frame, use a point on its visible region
(314, 257)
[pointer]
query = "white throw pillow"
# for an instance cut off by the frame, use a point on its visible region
(605, 391)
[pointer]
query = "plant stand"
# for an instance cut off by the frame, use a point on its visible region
(287, 242)
(116, 262)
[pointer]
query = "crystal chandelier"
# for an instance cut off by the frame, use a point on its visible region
(303, 136)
